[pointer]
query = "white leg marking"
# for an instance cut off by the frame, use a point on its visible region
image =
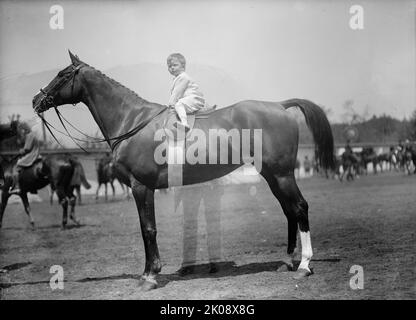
(305, 238)
(149, 278)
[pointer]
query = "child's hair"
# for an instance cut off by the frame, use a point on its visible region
(178, 56)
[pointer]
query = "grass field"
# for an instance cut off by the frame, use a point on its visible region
(369, 222)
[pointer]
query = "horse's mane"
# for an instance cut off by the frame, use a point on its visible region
(132, 93)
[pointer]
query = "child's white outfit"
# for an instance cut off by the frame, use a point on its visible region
(185, 97)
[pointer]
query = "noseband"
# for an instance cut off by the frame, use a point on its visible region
(49, 95)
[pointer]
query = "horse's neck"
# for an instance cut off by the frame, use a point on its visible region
(114, 107)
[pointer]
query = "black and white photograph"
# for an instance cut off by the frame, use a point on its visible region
(221, 151)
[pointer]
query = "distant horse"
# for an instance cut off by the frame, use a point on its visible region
(350, 165)
(393, 159)
(368, 155)
(78, 179)
(106, 173)
(410, 158)
(383, 160)
(337, 168)
(6, 131)
(54, 170)
(129, 124)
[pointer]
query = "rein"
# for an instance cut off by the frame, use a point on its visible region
(49, 99)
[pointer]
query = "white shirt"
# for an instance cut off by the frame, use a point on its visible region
(185, 90)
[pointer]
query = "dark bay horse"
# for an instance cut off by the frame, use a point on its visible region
(6, 131)
(368, 155)
(383, 160)
(106, 174)
(350, 162)
(55, 170)
(129, 124)
(410, 157)
(78, 179)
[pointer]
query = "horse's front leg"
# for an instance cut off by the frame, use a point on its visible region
(4, 198)
(144, 198)
(23, 196)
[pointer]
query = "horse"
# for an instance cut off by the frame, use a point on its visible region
(78, 179)
(132, 127)
(383, 160)
(55, 170)
(409, 158)
(350, 163)
(6, 131)
(106, 173)
(368, 155)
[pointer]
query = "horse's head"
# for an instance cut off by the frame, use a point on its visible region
(63, 89)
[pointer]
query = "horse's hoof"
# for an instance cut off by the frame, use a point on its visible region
(301, 273)
(76, 221)
(32, 225)
(64, 227)
(147, 285)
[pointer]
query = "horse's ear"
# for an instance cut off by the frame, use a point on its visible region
(74, 58)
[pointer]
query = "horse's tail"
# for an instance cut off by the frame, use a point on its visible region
(84, 180)
(321, 130)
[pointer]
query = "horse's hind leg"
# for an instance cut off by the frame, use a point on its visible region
(78, 191)
(295, 208)
(23, 196)
(51, 192)
(96, 192)
(112, 187)
(63, 200)
(72, 203)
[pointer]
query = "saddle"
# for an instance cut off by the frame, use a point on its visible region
(37, 171)
(37, 168)
(177, 133)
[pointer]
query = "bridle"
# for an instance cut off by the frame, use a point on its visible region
(48, 98)
(48, 101)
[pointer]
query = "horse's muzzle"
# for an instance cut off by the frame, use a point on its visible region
(42, 102)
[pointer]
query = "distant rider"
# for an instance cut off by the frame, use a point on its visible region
(29, 154)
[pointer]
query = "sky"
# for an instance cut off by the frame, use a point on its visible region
(277, 49)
